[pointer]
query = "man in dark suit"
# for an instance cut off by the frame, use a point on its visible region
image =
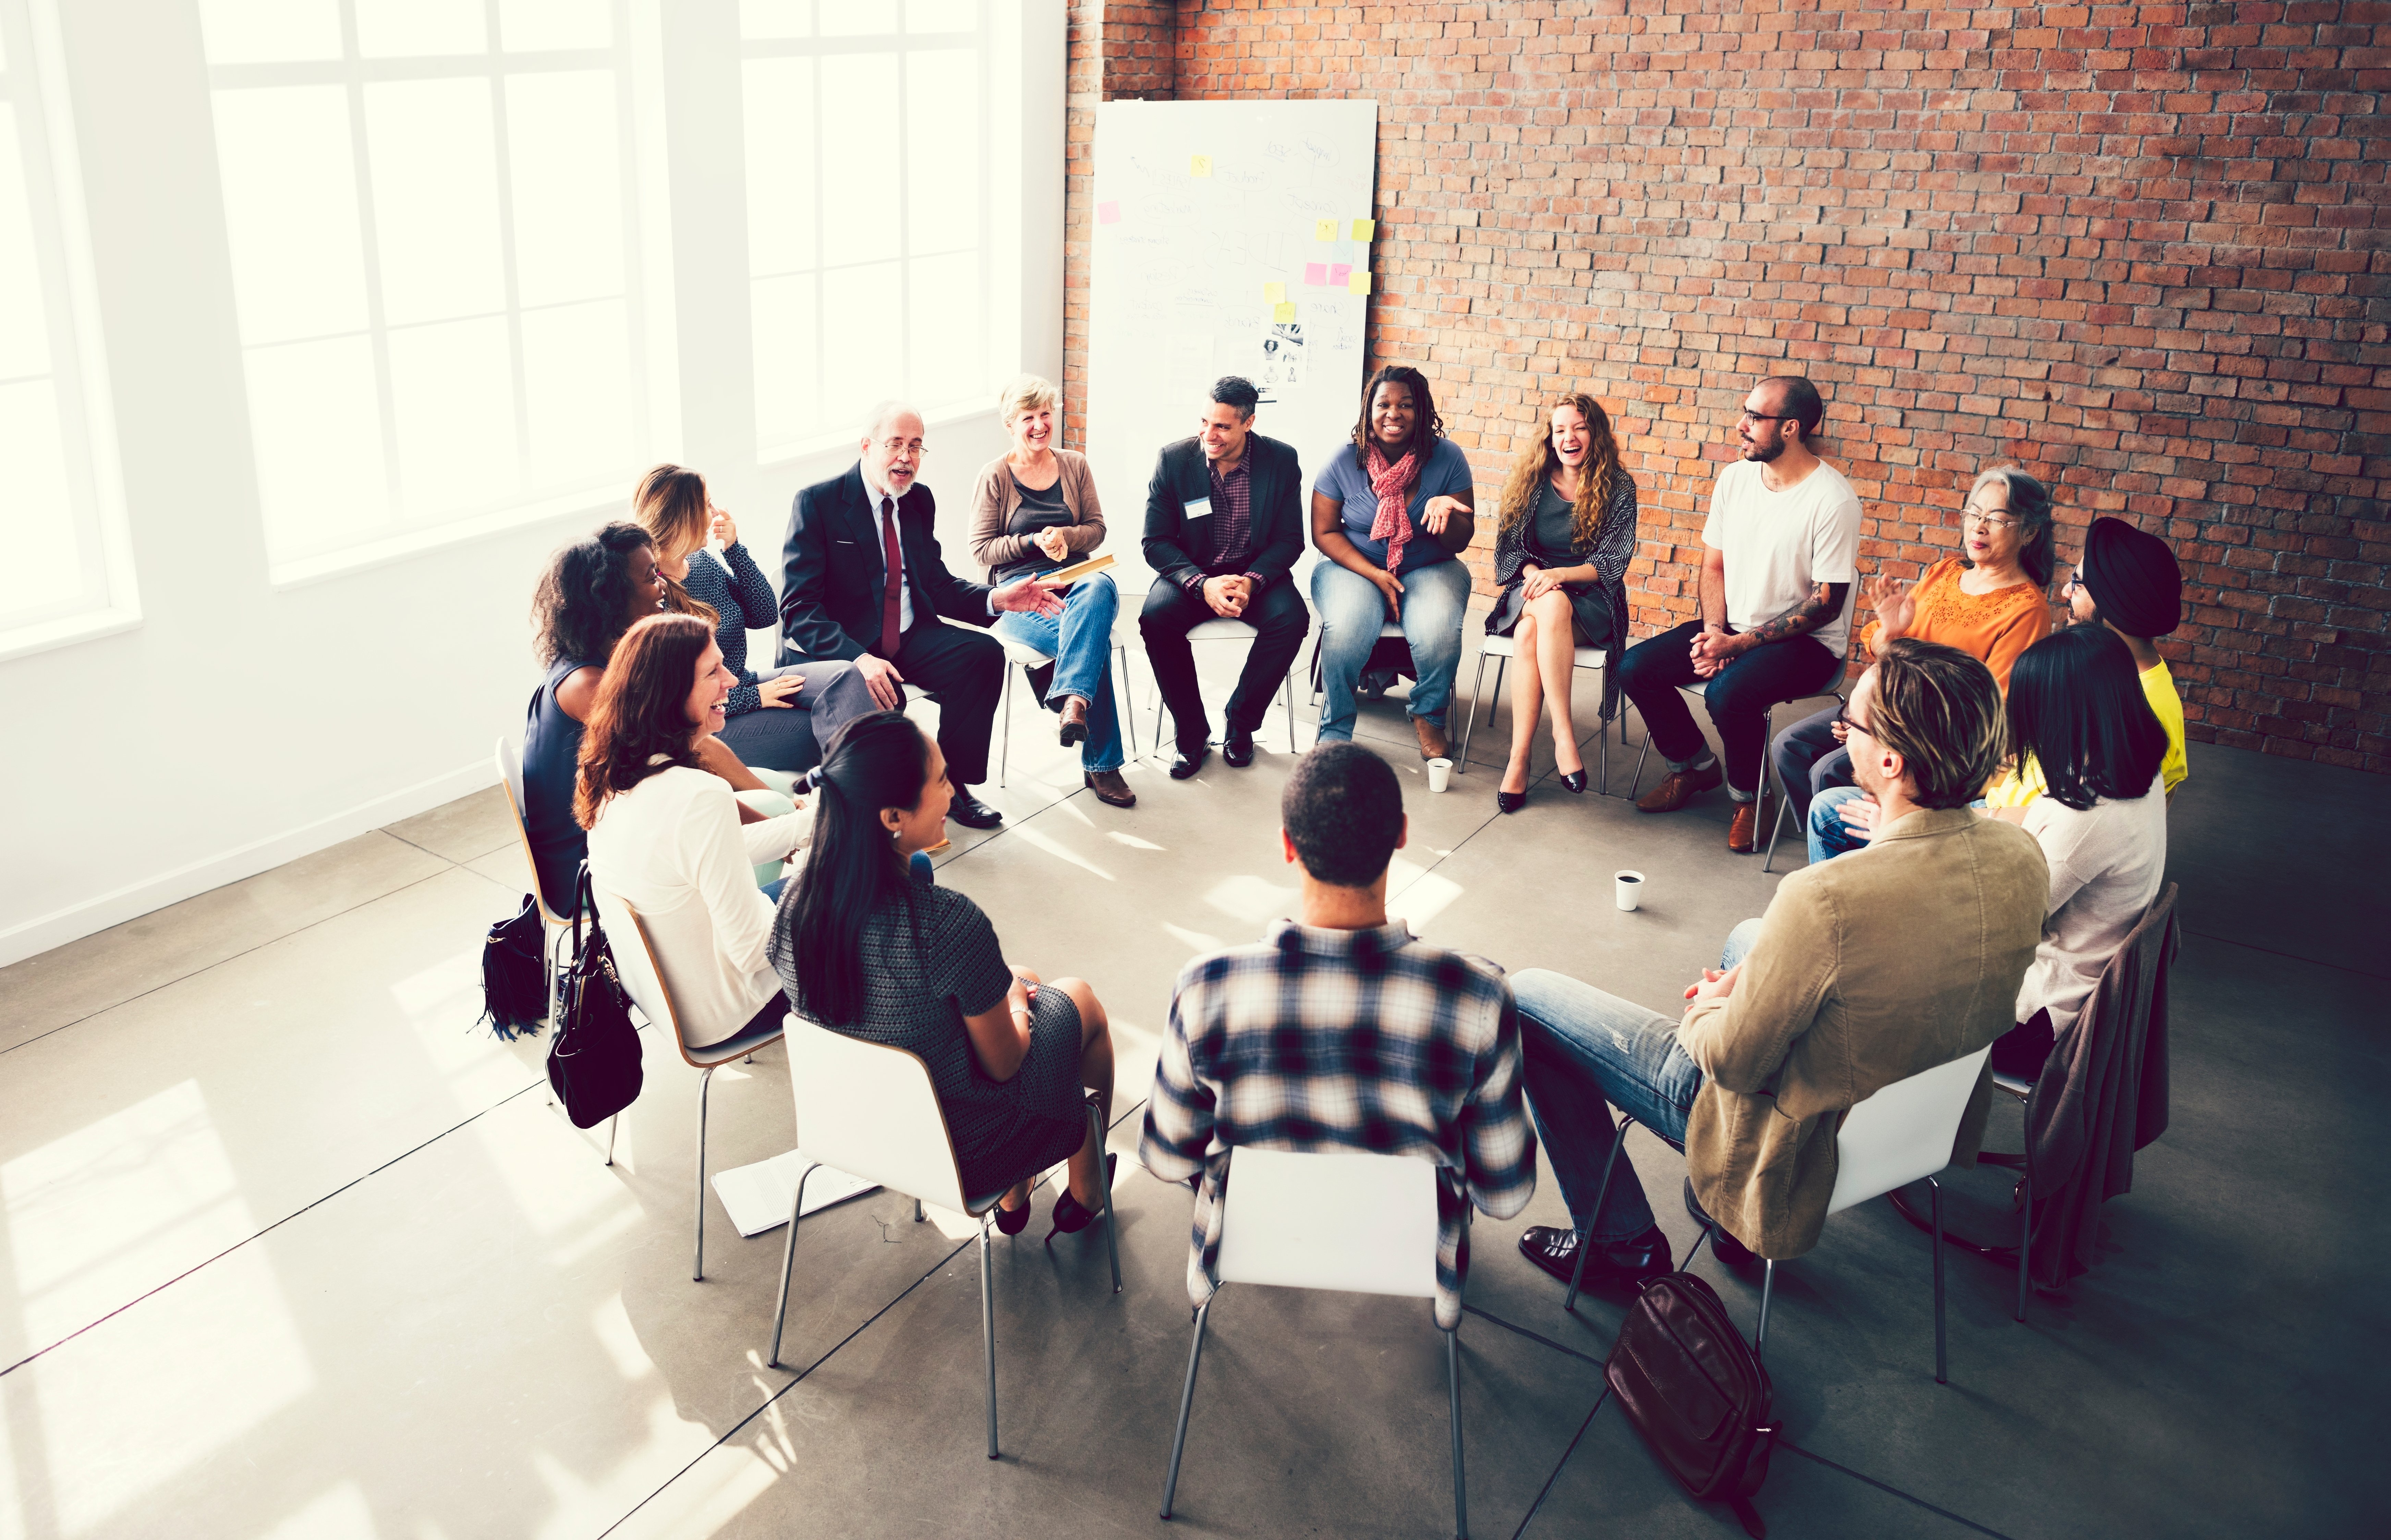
(1223, 525)
(862, 580)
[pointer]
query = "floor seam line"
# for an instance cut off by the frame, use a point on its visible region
(2287, 956)
(246, 1240)
(235, 957)
(1537, 1507)
(1887, 1487)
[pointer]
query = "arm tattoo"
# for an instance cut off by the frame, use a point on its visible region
(1825, 603)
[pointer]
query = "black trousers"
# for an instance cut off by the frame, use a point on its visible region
(961, 667)
(1738, 696)
(1278, 617)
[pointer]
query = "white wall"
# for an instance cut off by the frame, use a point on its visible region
(240, 725)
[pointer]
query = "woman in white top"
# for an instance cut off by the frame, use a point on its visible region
(665, 835)
(2076, 706)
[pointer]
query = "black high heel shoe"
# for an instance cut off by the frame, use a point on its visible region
(1071, 1217)
(1012, 1222)
(1574, 782)
(1510, 802)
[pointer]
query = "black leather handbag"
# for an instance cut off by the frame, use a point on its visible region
(593, 1061)
(514, 974)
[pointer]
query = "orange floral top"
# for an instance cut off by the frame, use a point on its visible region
(1996, 627)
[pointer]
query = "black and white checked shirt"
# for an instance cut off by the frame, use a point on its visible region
(1344, 1040)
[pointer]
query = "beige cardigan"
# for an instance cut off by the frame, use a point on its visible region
(1869, 969)
(997, 496)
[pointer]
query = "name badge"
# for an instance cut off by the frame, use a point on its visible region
(1200, 508)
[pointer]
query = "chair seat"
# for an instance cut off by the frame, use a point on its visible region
(747, 1042)
(1506, 647)
(2021, 1089)
(1028, 656)
(1218, 629)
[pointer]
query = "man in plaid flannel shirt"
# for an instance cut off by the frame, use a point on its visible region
(1341, 1032)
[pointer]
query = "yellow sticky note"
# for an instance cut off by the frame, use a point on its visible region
(1284, 313)
(1273, 294)
(1365, 228)
(1199, 165)
(1323, 229)
(1357, 283)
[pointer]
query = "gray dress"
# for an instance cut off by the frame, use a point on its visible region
(930, 963)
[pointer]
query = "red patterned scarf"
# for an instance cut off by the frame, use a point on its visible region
(1391, 483)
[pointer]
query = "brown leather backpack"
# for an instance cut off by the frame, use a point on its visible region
(1697, 1391)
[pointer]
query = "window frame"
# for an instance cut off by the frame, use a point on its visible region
(35, 76)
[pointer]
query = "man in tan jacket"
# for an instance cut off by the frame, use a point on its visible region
(1865, 971)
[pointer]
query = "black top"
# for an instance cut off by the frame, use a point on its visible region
(551, 752)
(1550, 541)
(1040, 509)
(832, 571)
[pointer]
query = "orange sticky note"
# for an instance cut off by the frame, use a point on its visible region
(1199, 165)
(1357, 283)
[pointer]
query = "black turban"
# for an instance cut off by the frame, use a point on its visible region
(2133, 578)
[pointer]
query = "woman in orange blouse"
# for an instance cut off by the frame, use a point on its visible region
(1987, 601)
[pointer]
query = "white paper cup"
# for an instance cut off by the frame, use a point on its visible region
(1627, 889)
(1440, 774)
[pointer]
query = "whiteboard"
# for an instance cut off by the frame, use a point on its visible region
(1201, 207)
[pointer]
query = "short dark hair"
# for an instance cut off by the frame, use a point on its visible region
(1800, 401)
(1344, 809)
(2076, 705)
(1236, 390)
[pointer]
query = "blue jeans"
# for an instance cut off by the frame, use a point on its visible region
(1587, 1052)
(1081, 643)
(1352, 610)
(1830, 835)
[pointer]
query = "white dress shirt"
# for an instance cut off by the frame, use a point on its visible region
(883, 513)
(673, 849)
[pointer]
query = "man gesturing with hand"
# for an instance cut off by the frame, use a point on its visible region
(862, 580)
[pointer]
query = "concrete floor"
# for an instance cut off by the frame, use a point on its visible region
(293, 1250)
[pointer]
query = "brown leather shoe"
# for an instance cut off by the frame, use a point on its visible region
(1432, 742)
(1110, 789)
(1679, 787)
(1075, 720)
(1744, 831)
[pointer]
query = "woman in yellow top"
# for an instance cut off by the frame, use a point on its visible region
(2130, 582)
(1987, 601)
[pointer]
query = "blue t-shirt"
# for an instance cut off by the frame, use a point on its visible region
(1446, 474)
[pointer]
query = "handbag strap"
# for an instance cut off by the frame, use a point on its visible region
(584, 902)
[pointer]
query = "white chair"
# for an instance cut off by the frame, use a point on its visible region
(643, 977)
(1027, 657)
(1277, 1229)
(1901, 1134)
(1500, 649)
(870, 1110)
(1221, 628)
(1767, 759)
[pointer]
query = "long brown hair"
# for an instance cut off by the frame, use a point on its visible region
(642, 711)
(1537, 463)
(671, 506)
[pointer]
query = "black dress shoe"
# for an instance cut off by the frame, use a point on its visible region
(1731, 1251)
(970, 812)
(1012, 1222)
(1510, 802)
(1574, 782)
(1187, 762)
(1070, 1216)
(1237, 748)
(1619, 1267)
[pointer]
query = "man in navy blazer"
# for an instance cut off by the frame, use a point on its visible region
(1223, 525)
(841, 599)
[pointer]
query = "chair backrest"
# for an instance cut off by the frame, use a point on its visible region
(637, 965)
(1330, 1218)
(869, 1109)
(1904, 1132)
(510, 757)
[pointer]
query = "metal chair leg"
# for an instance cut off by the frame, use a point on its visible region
(1004, 709)
(1452, 1389)
(1941, 1374)
(1594, 1216)
(1186, 1400)
(1287, 692)
(613, 1125)
(1775, 827)
(1128, 698)
(1112, 1235)
(2025, 1238)
(1768, 1287)
(788, 1265)
(918, 1214)
(1636, 780)
(1477, 687)
(987, 1330)
(697, 1261)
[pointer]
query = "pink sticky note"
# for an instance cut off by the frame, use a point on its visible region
(1338, 272)
(1315, 272)
(1109, 213)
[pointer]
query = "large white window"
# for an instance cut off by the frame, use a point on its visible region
(452, 313)
(61, 511)
(868, 210)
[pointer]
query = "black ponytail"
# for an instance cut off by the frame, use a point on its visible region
(852, 868)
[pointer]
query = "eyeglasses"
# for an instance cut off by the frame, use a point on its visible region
(1850, 723)
(1765, 417)
(895, 446)
(2067, 589)
(1973, 515)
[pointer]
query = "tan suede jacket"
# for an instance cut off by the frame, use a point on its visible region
(996, 496)
(1869, 968)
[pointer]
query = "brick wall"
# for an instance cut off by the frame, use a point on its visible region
(2139, 248)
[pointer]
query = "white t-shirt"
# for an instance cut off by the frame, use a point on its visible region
(2106, 865)
(1781, 545)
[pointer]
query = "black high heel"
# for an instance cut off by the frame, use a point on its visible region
(1510, 802)
(1574, 782)
(1070, 1216)
(1012, 1222)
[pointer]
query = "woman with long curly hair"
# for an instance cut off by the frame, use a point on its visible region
(664, 835)
(1562, 541)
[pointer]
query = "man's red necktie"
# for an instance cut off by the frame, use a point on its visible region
(892, 606)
